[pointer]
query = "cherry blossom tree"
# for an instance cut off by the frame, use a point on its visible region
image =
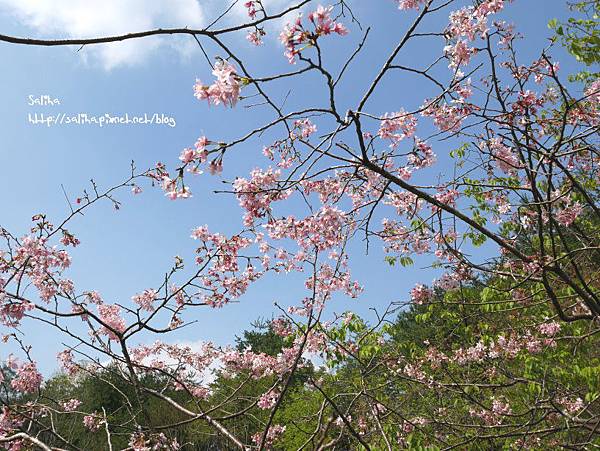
(524, 183)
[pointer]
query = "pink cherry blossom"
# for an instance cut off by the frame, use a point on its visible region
(252, 7)
(257, 194)
(593, 92)
(145, 299)
(268, 399)
(572, 406)
(494, 415)
(506, 159)
(324, 24)
(420, 294)
(92, 422)
(43, 263)
(69, 239)
(422, 155)
(111, 316)
(70, 405)
(322, 230)
(397, 126)
(567, 215)
(11, 311)
(446, 117)
(281, 327)
(294, 36)
(459, 53)
(549, 329)
(65, 358)
(27, 379)
(226, 88)
(306, 128)
(215, 167)
(201, 233)
(255, 37)
(410, 4)
(275, 432)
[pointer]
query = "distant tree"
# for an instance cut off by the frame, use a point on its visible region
(581, 34)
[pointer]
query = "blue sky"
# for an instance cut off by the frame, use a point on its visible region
(124, 252)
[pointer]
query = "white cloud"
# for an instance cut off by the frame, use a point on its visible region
(92, 18)
(55, 19)
(206, 377)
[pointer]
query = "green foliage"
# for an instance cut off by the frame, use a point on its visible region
(580, 35)
(107, 392)
(260, 338)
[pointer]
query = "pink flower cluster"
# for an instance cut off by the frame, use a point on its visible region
(328, 189)
(257, 194)
(305, 127)
(268, 399)
(172, 191)
(506, 159)
(93, 297)
(459, 53)
(43, 264)
(446, 117)
(145, 299)
(446, 197)
(549, 329)
(281, 327)
(70, 405)
(466, 25)
(395, 235)
(406, 203)
(502, 347)
(258, 365)
(197, 154)
(110, 315)
(68, 239)
(567, 215)
(420, 294)
(294, 36)
(527, 101)
(27, 378)
(139, 441)
(324, 24)
(422, 155)
(449, 281)
(183, 362)
(449, 116)
(397, 126)
(65, 359)
(226, 88)
(12, 311)
(592, 92)
(223, 280)
(253, 7)
(323, 230)
(92, 422)
(495, 414)
(328, 281)
(572, 406)
(274, 433)
(255, 37)
(11, 421)
(467, 22)
(409, 4)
